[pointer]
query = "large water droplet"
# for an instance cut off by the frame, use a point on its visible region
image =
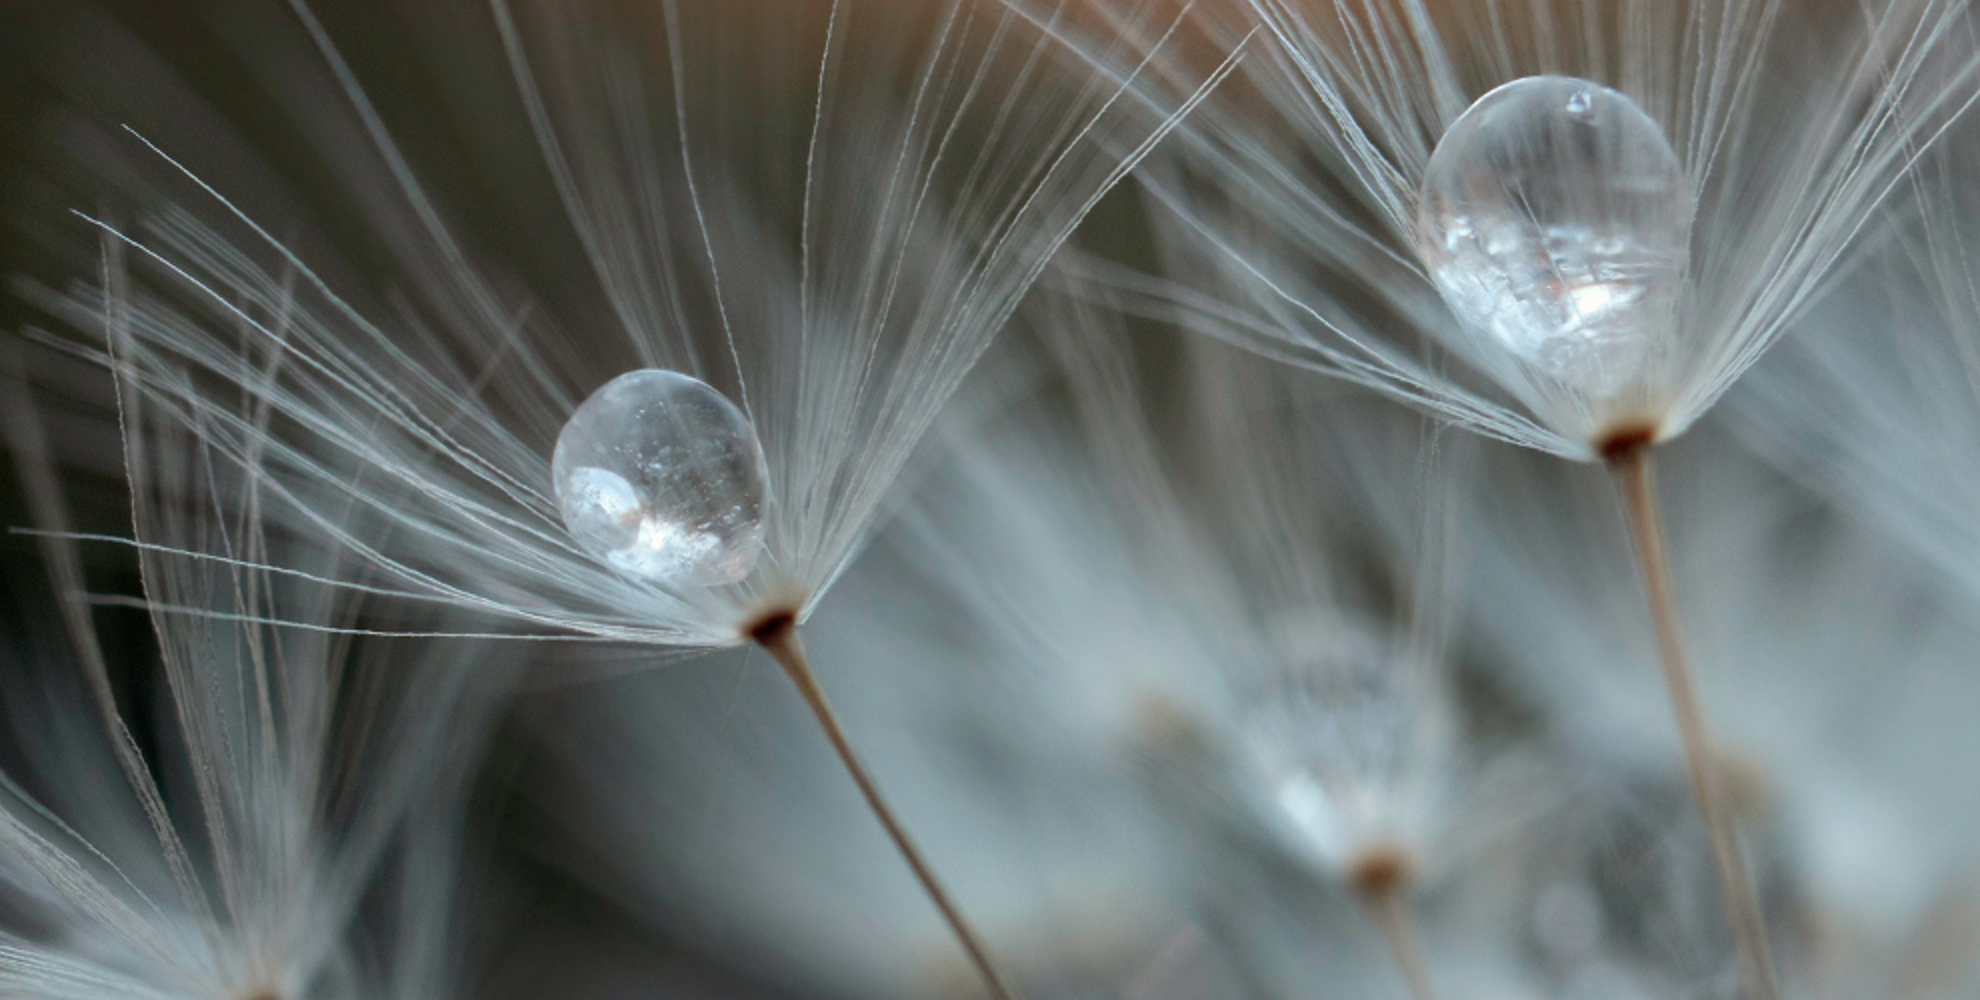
(661, 476)
(1556, 221)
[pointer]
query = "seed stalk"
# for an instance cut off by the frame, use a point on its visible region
(779, 637)
(1631, 467)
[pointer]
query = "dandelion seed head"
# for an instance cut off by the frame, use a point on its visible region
(914, 185)
(1332, 739)
(661, 476)
(1622, 260)
(1556, 220)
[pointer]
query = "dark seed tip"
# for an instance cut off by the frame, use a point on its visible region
(771, 626)
(1623, 439)
(1380, 871)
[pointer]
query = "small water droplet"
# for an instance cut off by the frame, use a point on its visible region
(1561, 237)
(661, 476)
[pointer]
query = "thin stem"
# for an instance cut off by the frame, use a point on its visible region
(1632, 469)
(780, 640)
(1388, 910)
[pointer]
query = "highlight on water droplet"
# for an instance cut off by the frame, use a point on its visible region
(659, 475)
(1556, 220)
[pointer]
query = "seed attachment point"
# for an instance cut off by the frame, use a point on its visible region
(771, 628)
(1381, 871)
(1623, 440)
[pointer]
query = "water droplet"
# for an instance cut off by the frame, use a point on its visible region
(661, 476)
(1556, 221)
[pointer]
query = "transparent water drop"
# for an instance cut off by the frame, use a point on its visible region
(1556, 221)
(661, 476)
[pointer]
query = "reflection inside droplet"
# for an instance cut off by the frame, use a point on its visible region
(661, 476)
(1556, 221)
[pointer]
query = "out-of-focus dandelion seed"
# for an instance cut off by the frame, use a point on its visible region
(1195, 601)
(234, 858)
(1327, 746)
(660, 475)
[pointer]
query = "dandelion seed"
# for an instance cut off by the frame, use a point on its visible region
(1555, 218)
(1191, 599)
(1339, 764)
(947, 158)
(1719, 174)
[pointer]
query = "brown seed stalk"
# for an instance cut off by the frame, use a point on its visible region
(1629, 458)
(777, 633)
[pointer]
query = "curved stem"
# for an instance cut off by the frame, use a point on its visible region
(780, 639)
(1631, 467)
(1388, 910)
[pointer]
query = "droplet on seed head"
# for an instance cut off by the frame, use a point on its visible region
(1556, 221)
(661, 476)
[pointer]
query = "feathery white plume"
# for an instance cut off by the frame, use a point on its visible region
(1877, 403)
(835, 286)
(1608, 211)
(221, 846)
